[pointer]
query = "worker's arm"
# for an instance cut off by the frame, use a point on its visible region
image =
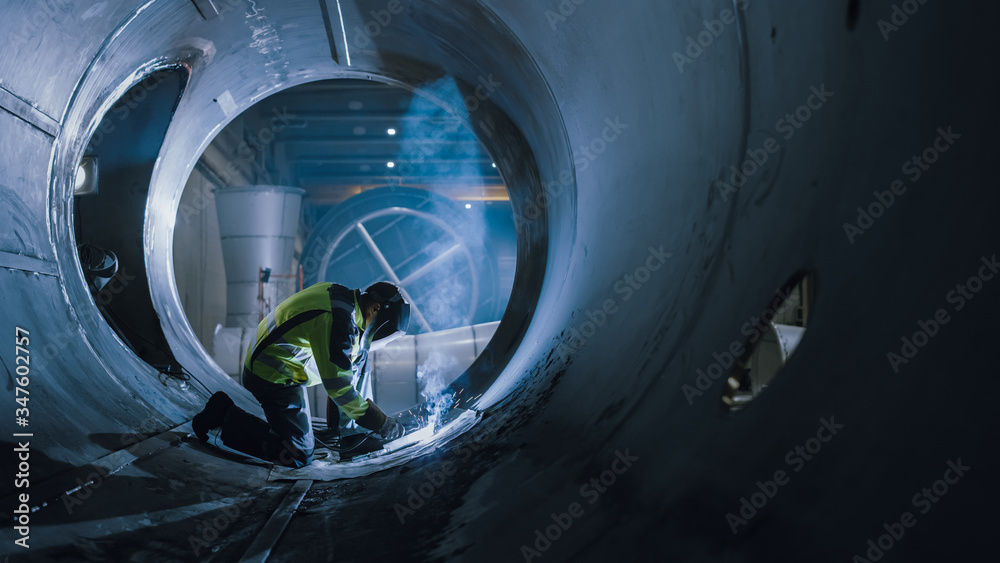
(336, 371)
(344, 395)
(333, 357)
(366, 413)
(337, 374)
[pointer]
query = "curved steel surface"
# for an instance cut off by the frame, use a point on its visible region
(670, 164)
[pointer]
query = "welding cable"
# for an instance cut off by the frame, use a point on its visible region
(164, 372)
(340, 449)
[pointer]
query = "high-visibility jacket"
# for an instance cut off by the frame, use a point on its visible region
(322, 322)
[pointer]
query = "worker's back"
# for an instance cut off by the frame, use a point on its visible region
(283, 344)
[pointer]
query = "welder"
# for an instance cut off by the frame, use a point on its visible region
(336, 327)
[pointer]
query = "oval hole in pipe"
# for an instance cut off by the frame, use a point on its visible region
(109, 211)
(776, 333)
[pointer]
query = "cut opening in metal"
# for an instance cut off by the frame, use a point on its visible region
(298, 190)
(772, 337)
(109, 208)
(511, 110)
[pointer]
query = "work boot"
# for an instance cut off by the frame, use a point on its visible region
(212, 416)
(246, 433)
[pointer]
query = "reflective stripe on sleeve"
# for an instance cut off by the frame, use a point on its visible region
(337, 383)
(356, 408)
(272, 362)
(345, 398)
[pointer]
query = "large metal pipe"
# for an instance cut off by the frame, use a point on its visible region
(671, 164)
(400, 369)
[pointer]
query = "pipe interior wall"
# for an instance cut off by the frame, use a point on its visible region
(693, 155)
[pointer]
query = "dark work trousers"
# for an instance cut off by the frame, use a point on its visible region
(286, 438)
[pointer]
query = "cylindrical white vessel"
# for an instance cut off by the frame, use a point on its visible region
(258, 225)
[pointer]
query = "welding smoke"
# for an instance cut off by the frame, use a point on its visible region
(439, 148)
(430, 375)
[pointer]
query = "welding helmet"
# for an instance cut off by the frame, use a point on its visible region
(392, 319)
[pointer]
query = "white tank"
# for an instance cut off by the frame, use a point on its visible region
(258, 226)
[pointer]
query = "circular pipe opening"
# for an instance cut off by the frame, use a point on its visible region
(454, 261)
(518, 122)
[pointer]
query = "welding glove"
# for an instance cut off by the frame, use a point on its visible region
(391, 430)
(386, 427)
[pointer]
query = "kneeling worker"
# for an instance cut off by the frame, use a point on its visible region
(332, 324)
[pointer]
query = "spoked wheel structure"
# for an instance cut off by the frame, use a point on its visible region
(435, 250)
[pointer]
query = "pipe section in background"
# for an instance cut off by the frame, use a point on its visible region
(652, 136)
(443, 355)
(258, 225)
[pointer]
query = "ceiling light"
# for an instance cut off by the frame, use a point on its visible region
(391, 131)
(390, 164)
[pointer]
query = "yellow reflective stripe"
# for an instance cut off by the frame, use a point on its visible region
(344, 396)
(356, 408)
(296, 353)
(337, 383)
(271, 362)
